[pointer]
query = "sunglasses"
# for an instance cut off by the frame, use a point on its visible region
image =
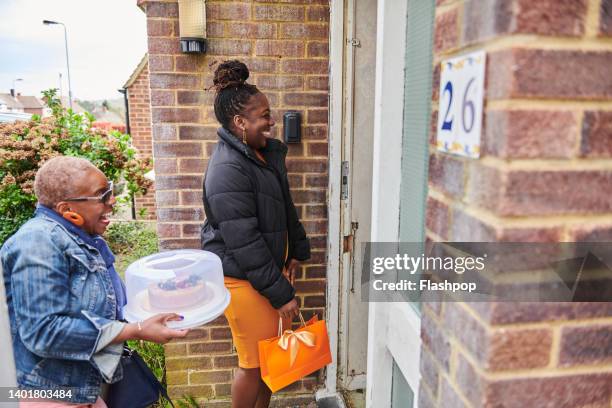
(104, 198)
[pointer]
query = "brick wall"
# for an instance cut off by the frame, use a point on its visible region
(139, 102)
(545, 175)
(285, 45)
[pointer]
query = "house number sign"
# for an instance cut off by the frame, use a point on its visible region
(460, 105)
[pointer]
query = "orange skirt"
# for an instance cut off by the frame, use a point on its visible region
(251, 318)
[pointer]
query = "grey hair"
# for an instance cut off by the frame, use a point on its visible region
(55, 180)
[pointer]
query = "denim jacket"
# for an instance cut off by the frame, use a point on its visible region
(62, 309)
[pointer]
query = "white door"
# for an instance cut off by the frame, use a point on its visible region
(401, 127)
(358, 121)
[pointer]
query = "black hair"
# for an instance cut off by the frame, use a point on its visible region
(233, 92)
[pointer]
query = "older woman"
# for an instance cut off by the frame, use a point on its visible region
(63, 293)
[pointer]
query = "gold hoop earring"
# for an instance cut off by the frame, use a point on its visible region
(244, 139)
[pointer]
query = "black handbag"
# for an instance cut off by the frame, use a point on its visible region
(139, 387)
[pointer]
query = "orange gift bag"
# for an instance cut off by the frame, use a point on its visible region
(294, 354)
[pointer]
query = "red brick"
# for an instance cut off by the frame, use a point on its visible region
(197, 133)
(592, 390)
(263, 65)
(175, 349)
(305, 99)
(295, 150)
(436, 342)
(295, 181)
(523, 73)
(279, 82)
(318, 149)
(310, 286)
(528, 134)
(449, 397)
(192, 165)
(178, 149)
(279, 13)
(189, 63)
(215, 29)
(165, 166)
(314, 132)
(592, 233)
(596, 131)
(160, 28)
(314, 301)
(177, 378)
(483, 21)
(165, 10)
(316, 211)
(202, 391)
(191, 98)
(222, 390)
(467, 330)
(211, 347)
(178, 182)
(317, 83)
(318, 49)
(314, 272)
(225, 361)
(163, 132)
(525, 312)
(429, 371)
(446, 34)
(317, 116)
(210, 377)
(221, 333)
(558, 17)
(315, 227)
(605, 18)
(315, 180)
(318, 13)
(545, 192)
(513, 349)
(163, 45)
(586, 345)
(301, 66)
(307, 166)
(161, 98)
(172, 115)
(228, 11)
(174, 81)
(426, 400)
(447, 173)
(186, 363)
(167, 244)
(229, 47)
(309, 31)
(180, 214)
(437, 217)
(279, 48)
(168, 230)
(191, 230)
(252, 30)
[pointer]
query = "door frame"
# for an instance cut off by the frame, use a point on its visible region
(393, 328)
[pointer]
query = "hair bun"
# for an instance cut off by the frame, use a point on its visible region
(229, 74)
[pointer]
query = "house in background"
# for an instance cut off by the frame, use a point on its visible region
(138, 119)
(365, 76)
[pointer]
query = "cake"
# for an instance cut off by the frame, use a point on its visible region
(177, 293)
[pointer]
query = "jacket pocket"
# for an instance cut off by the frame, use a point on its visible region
(85, 282)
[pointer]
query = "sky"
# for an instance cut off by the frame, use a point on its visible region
(106, 41)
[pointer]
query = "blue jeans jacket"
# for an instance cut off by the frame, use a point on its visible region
(61, 302)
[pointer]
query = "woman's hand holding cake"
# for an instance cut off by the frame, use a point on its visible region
(153, 329)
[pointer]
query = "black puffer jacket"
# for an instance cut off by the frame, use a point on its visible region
(250, 215)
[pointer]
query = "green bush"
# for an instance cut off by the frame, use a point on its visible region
(130, 241)
(26, 146)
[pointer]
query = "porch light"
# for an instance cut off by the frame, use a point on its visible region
(192, 25)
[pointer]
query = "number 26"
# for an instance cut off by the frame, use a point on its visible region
(467, 106)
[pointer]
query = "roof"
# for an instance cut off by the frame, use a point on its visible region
(143, 63)
(30, 102)
(9, 101)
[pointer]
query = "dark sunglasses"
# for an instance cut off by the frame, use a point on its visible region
(104, 198)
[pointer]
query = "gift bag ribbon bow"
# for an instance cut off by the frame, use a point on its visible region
(291, 340)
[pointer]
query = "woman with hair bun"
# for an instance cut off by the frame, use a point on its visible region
(252, 224)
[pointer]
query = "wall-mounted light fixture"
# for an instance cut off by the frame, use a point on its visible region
(192, 25)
